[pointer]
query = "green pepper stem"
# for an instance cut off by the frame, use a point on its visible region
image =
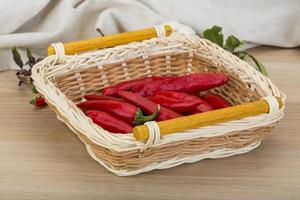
(140, 118)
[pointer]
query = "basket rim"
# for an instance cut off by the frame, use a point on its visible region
(119, 142)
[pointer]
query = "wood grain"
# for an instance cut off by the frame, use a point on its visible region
(40, 158)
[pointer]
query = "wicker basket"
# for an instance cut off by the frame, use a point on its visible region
(64, 79)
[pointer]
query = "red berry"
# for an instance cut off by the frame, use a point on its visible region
(38, 101)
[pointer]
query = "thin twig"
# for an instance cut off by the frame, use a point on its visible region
(100, 32)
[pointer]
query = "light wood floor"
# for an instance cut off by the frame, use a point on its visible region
(40, 158)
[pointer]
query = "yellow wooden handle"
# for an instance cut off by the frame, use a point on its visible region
(110, 40)
(207, 118)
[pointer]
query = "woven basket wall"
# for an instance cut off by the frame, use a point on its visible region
(64, 84)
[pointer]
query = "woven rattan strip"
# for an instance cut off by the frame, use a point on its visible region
(235, 91)
(64, 84)
(135, 160)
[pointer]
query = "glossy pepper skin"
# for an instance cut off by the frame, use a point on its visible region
(148, 106)
(109, 122)
(102, 97)
(203, 107)
(122, 110)
(129, 85)
(216, 101)
(176, 101)
(188, 83)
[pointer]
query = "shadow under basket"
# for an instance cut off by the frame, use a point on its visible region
(64, 82)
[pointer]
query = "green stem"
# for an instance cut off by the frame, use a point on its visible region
(260, 67)
(140, 118)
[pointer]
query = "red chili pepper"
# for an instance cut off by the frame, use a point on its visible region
(109, 122)
(148, 106)
(203, 107)
(189, 84)
(102, 97)
(129, 85)
(177, 101)
(216, 101)
(124, 111)
(38, 101)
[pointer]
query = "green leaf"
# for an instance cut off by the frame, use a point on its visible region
(32, 101)
(34, 90)
(215, 35)
(240, 54)
(17, 57)
(31, 59)
(232, 43)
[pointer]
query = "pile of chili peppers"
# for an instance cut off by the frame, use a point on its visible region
(122, 106)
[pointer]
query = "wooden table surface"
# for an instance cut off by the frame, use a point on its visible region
(40, 158)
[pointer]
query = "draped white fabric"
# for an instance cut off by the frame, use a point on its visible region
(37, 23)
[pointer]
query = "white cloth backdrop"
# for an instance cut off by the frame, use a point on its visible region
(37, 23)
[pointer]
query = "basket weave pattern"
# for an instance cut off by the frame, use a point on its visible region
(64, 84)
